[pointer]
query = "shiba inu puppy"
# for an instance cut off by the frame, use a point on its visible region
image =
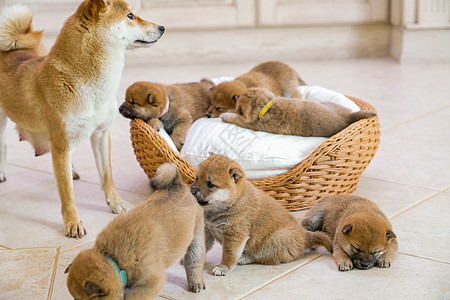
(175, 106)
(260, 110)
(131, 254)
(362, 235)
(60, 98)
(275, 76)
(251, 226)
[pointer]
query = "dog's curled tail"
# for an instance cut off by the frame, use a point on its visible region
(16, 31)
(362, 114)
(166, 177)
(318, 238)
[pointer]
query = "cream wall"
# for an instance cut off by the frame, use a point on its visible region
(409, 30)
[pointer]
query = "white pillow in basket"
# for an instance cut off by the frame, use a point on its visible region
(261, 154)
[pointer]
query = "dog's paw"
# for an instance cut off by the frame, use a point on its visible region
(244, 260)
(384, 262)
(119, 206)
(227, 117)
(178, 141)
(197, 287)
(75, 230)
(2, 176)
(345, 265)
(221, 270)
(155, 123)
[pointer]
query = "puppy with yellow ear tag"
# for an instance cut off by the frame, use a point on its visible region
(362, 235)
(131, 254)
(251, 226)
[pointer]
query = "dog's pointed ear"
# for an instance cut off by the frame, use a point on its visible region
(150, 98)
(236, 174)
(347, 229)
(97, 6)
(390, 235)
(235, 97)
(211, 153)
(67, 270)
(92, 290)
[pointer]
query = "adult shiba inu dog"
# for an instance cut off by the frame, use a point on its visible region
(362, 235)
(277, 77)
(251, 226)
(62, 97)
(131, 254)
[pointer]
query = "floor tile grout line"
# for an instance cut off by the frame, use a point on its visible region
(6, 248)
(77, 246)
(401, 183)
(414, 118)
(418, 203)
(279, 277)
(424, 257)
(55, 267)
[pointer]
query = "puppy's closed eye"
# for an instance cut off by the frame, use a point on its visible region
(210, 185)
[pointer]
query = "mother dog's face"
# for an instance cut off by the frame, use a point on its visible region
(117, 23)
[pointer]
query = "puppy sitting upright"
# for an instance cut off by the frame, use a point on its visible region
(131, 254)
(251, 226)
(362, 235)
(260, 110)
(275, 76)
(175, 106)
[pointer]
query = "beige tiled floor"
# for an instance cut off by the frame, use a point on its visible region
(409, 178)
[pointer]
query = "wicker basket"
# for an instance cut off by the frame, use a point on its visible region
(333, 168)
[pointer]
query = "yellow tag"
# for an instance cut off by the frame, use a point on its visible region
(265, 109)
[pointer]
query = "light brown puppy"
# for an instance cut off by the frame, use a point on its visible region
(175, 106)
(362, 235)
(251, 226)
(260, 110)
(61, 98)
(143, 242)
(275, 76)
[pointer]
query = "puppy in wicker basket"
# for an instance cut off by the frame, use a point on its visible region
(131, 254)
(251, 226)
(275, 76)
(173, 106)
(260, 110)
(362, 235)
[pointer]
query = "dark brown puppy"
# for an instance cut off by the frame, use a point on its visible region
(275, 76)
(173, 106)
(362, 235)
(260, 110)
(251, 226)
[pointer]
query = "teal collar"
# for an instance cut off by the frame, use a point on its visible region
(122, 273)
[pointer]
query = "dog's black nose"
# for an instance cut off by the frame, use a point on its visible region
(121, 108)
(208, 115)
(161, 28)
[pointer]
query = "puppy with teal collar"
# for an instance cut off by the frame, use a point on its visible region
(130, 256)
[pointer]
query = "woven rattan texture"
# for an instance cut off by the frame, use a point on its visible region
(333, 168)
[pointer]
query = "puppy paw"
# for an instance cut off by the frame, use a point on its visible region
(155, 123)
(345, 265)
(178, 141)
(197, 287)
(221, 270)
(119, 206)
(384, 262)
(244, 260)
(2, 176)
(227, 117)
(75, 230)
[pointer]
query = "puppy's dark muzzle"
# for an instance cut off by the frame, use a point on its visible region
(126, 112)
(364, 263)
(200, 199)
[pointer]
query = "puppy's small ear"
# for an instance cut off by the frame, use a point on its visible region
(235, 97)
(236, 174)
(150, 98)
(92, 290)
(347, 229)
(390, 235)
(97, 6)
(67, 270)
(211, 153)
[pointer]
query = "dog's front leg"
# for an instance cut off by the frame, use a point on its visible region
(101, 146)
(150, 285)
(3, 121)
(233, 247)
(62, 169)
(194, 259)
